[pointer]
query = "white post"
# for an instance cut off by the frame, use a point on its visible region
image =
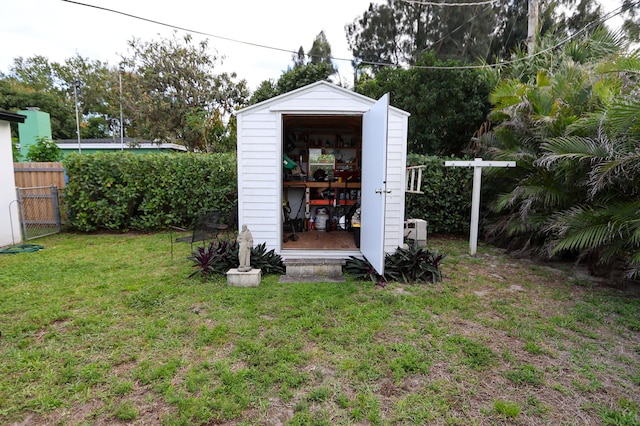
(475, 210)
(478, 164)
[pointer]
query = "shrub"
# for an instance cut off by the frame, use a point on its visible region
(44, 150)
(410, 265)
(123, 190)
(446, 202)
(362, 270)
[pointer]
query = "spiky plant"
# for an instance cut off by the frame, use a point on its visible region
(413, 265)
(410, 265)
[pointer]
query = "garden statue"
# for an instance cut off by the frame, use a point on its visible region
(245, 239)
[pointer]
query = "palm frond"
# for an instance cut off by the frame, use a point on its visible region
(634, 236)
(629, 63)
(574, 148)
(507, 95)
(606, 89)
(597, 45)
(586, 238)
(622, 169)
(522, 154)
(633, 271)
(589, 228)
(588, 123)
(624, 115)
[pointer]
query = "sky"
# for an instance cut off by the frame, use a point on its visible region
(59, 30)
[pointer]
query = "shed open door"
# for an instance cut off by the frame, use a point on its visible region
(374, 178)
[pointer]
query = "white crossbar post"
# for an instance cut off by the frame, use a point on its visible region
(477, 164)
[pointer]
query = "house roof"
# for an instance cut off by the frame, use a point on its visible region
(312, 87)
(130, 141)
(12, 117)
(110, 143)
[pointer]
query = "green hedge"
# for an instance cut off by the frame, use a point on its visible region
(121, 191)
(446, 202)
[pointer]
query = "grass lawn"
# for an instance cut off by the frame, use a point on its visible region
(108, 329)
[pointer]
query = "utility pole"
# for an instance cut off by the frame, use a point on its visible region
(121, 123)
(76, 89)
(532, 28)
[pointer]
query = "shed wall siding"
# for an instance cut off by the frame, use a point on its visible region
(258, 178)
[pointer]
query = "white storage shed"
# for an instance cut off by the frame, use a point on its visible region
(315, 155)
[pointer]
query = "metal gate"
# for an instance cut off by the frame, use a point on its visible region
(39, 211)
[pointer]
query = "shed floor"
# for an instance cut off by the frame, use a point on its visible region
(321, 240)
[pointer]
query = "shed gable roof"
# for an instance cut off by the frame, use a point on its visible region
(318, 86)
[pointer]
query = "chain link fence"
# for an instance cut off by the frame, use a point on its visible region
(39, 211)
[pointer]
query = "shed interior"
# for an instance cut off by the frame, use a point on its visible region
(321, 181)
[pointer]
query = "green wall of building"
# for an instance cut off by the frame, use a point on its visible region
(37, 125)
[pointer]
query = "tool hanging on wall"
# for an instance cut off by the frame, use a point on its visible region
(333, 199)
(286, 219)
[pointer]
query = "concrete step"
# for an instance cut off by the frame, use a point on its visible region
(313, 270)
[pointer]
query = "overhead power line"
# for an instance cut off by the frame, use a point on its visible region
(597, 22)
(444, 4)
(606, 17)
(106, 9)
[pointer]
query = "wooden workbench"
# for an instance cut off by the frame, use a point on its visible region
(335, 201)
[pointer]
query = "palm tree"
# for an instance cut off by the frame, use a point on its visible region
(529, 115)
(605, 226)
(572, 128)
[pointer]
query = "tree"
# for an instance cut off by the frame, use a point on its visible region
(304, 75)
(97, 94)
(293, 79)
(266, 90)
(306, 69)
(44, 150)
(320, 51)
(603, 226)
(573, 130)
(15, 95)
(209, 132)
(446, 105)
(164, 83)
(300, 58)
(170, 83)
(35, 82)
(398, 32)
(35, 72)
(631, 25)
